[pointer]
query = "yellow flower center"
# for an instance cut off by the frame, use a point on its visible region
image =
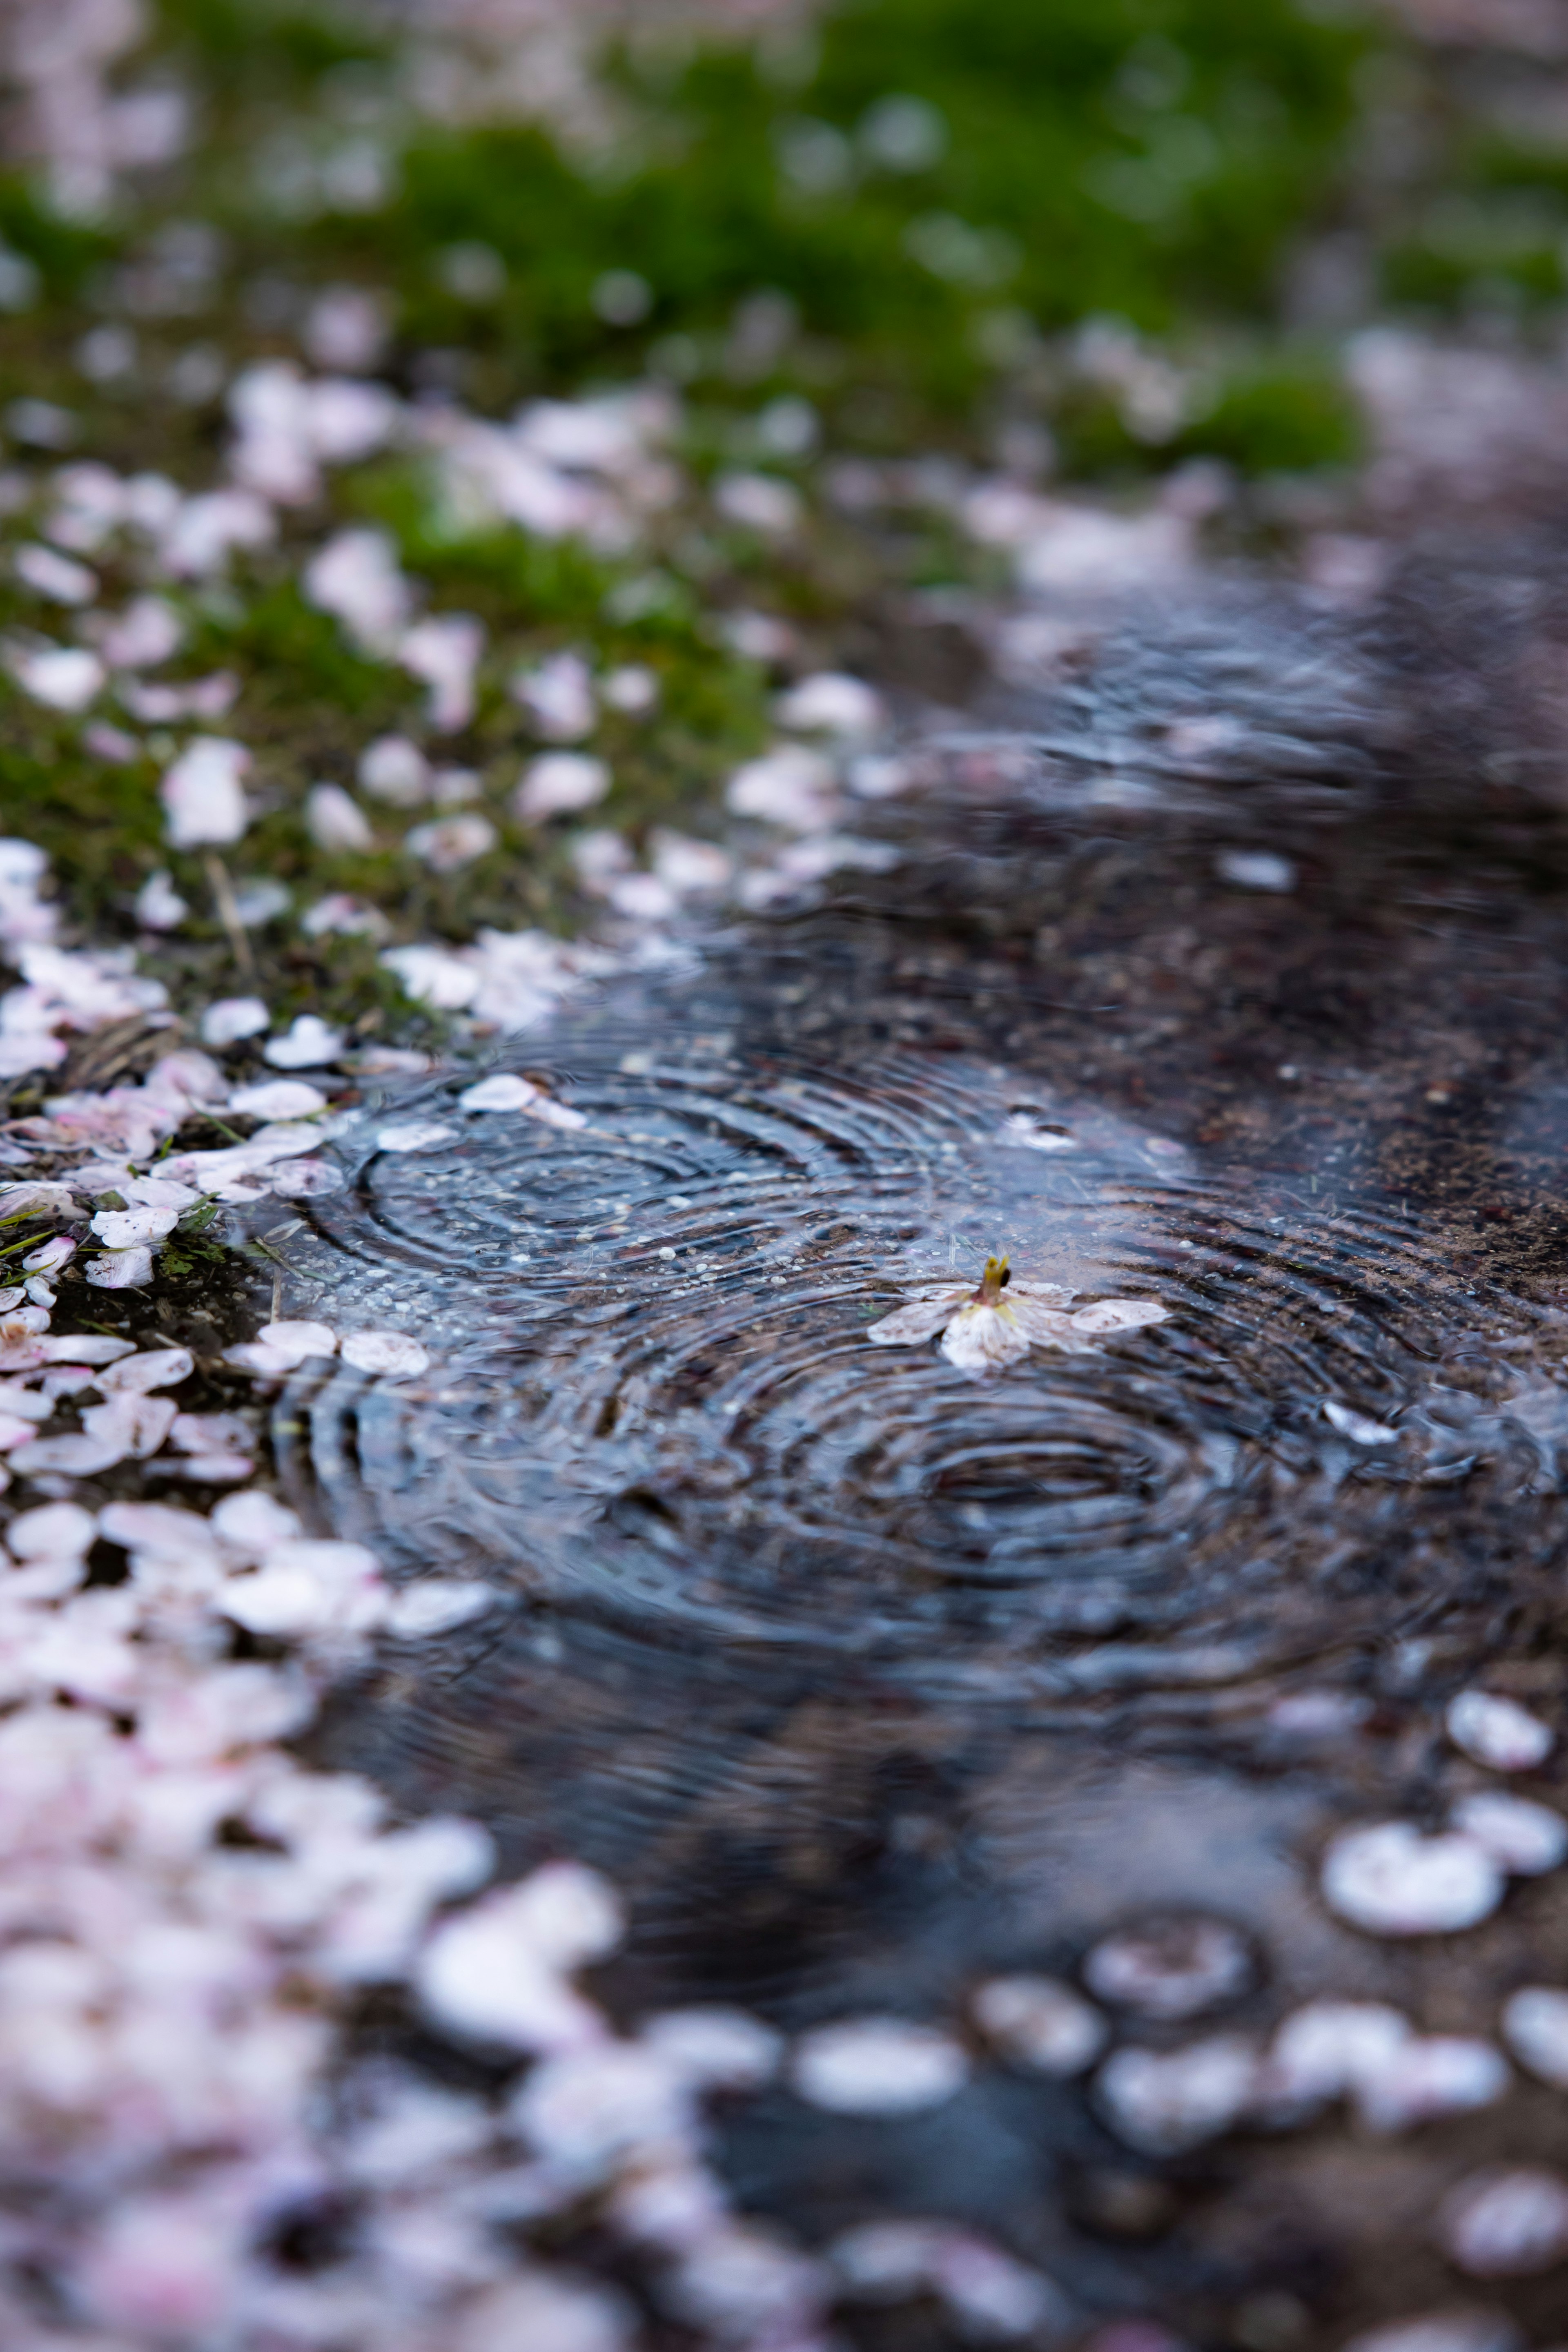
(992, 1283)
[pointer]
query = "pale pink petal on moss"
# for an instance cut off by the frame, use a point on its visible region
(126, 1269)
(161, 1368)
(204, 804)
(138, 1424)
(558, 783)
(443, 654)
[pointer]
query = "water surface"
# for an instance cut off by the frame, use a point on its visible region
(862, 1679)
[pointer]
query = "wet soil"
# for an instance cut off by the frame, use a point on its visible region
(863, 1680)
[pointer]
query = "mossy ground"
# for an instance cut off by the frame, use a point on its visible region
(885, 235)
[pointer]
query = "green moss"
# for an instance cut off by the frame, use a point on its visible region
(1156, 162)
(63, 252)
(1280, 419)
(100, 822)
(1154, 159)
(246, 49)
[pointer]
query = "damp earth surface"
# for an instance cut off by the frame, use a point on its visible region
(870, 1683)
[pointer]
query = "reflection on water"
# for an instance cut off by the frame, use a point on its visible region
(861, 1677)
(655, 1401)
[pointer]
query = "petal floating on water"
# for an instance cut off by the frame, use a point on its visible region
(921, 1319)
(1120, 1315)
(982, 1339)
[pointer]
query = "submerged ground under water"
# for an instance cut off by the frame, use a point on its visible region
(865, 1681)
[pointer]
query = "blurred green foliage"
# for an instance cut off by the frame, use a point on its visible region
(888, 236)
(948, 170)
(881, 215)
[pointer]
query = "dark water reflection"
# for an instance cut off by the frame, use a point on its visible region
(861, 1679)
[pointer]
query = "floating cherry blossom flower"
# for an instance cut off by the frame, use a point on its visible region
(498, 1971)
(992, 2297)
(687, 867)
(50, 1255)
(123, 1228)
(200, 534)
(997, 1322)
(1171, 1967)
(436, 1604)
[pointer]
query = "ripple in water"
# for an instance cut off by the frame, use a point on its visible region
(653, 1400)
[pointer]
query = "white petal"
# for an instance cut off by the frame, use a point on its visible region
(1120, 1315)
(384, 1351)
(305, 1180)
(981, 1339)
(1051, 1326)
(921, 1319)
(1496, 1731)
(126, 1269)
(557, 785)
(413, 1135)
(230, 1018)
(202, 796)
(161, 1368)
(121, 1229)
(336, 821)
(505, 1091)
(278, 1098)
(304, 1046)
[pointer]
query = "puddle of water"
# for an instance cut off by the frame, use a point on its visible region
(864, 1678)
(653, 1398)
